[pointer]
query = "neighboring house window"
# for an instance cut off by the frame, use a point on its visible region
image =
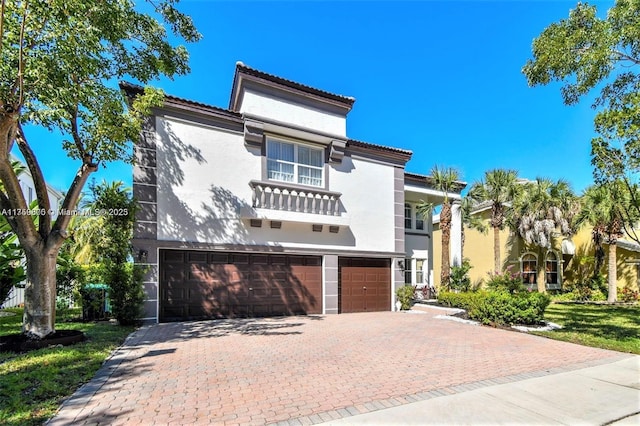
(295, 163)
(407, 271)
(407, 216)
(420, 271)
(529, 269)
(551, 268)
(419, 221)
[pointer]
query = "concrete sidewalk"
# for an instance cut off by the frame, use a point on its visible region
(601, 395)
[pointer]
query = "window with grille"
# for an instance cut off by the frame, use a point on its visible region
(551, 268)
(295, 163)
(529, 269)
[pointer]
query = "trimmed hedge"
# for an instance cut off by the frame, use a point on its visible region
(499, 308)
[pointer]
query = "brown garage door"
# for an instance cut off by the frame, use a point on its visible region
(200, 285)
(364, 284)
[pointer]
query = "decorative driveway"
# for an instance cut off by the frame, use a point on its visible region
(305, 370)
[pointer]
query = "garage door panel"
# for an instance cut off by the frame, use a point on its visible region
(364, 285)
(199, 284)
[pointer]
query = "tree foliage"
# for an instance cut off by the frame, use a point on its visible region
(498, 188)
(59, 60)
(444, 179)
(543, 209)
(585, 52)
(117, 207)
(606, 208)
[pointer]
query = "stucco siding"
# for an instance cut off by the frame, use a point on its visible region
(368, 198)
(204, 196)
(203, 182)
(264, 105)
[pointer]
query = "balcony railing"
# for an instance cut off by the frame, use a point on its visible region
(293, 198)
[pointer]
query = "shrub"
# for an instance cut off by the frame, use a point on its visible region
(500, 307)
(457, 300)
(629, 294)
(93, 301)
(508, 281)
(404, 295)
(127, 293)
(459, 278)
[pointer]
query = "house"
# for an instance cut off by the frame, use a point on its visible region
(16, 297)
(569, 261)
(267, 207)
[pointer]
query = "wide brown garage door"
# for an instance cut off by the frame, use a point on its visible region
(200, 285)
(364, 285)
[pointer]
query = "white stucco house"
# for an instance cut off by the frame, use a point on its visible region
(267, 207)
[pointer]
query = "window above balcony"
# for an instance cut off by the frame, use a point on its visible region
(295, 163)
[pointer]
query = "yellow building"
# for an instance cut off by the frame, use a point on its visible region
(570, 261)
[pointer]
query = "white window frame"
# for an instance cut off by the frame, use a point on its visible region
(408, 208)
(558, 284)
(534, 272)
(419, 221)
(295, 163)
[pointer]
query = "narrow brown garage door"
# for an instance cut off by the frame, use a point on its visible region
(200, 285)
(364, 284)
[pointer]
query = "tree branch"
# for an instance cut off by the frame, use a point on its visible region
(44, 223)
(5, 205)
(621, 55)
(75, 133)
(21, 56)
(22, 224)
(59, 231)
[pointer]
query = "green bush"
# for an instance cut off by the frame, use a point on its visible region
(508, 281)
(127, 293)
(500, 307)
(457, 300)
(629, 293)
(459, 279)
(405, 295)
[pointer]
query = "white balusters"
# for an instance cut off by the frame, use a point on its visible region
(283, 197)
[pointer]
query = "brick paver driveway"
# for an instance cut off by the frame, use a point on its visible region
(311, 369)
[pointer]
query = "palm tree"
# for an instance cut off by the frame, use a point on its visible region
(603, 208)
(446, 181)
(499, 187)
(542, 210)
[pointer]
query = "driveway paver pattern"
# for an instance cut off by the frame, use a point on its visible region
(305, 370)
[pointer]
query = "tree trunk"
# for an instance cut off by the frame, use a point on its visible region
(496, 250)
(541, 275)
(40, 292)
(613, 272)
(445, 227)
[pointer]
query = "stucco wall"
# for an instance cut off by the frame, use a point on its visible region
(203, 194)
(285, 111)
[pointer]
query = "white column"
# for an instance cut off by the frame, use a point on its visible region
(456, 234)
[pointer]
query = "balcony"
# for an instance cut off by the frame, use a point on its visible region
(293, 198)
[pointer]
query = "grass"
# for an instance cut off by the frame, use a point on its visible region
(614, 327)
(33, 384)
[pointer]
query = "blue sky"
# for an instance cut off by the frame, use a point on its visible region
(440, 78)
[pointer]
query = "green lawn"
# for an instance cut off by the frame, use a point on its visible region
(602, 326)
(32, 385)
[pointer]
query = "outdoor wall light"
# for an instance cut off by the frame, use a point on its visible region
(400, 264)
(142, 255)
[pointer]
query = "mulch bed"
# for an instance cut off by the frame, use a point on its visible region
(24, 343)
